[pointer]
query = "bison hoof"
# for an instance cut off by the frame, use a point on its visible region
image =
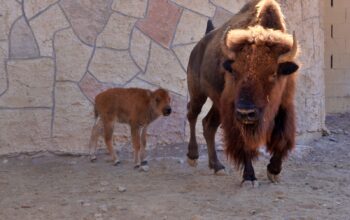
(93, 158)
(250, 183)
(116, 162)
(192, 163)
(221, 172)
(273, 178)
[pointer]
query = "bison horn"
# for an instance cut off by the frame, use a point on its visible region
(291, 54)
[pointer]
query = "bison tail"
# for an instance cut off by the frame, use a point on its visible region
(210, 27)
(96, 112)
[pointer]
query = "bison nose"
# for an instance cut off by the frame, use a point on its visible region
(167, 111)
(247, 116)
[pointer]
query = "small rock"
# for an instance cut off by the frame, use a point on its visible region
(5, 161)
(102, 189)
(103, 208)
(144, 168)
(104, 183)
(314, 187)
(333, 139)
(165, 217)
(346, 132)
(196, 217)
(26, 206)
(181, 161)
(73, 162)
(253, 212)
(121, 188)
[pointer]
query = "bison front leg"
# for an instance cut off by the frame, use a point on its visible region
(248, 172)
(211, 123)
(281, 142)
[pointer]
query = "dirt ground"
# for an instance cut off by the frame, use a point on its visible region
(315, 185)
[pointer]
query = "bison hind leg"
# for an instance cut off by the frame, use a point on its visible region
(194, 108)
(211, 123)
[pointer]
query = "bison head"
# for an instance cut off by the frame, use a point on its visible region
(257, 63)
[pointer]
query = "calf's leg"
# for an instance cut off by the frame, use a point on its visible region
(108, 133)
(97, 130)
(135, 137)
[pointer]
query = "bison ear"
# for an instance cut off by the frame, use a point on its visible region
(287, 68)
(269, 15)
(228, 65)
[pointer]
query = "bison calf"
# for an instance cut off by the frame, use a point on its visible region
(134, 106)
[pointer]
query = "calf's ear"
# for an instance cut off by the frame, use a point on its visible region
(228, 65)
(287, 68)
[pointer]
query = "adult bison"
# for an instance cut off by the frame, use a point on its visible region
(246, 67)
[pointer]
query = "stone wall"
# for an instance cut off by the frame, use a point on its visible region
(56, 55)
(337, 44)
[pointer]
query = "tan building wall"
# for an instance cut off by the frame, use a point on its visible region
(56, 55)
(337, 57)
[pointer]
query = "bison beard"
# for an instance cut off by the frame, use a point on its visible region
(241, 140)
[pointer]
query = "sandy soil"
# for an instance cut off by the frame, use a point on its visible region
(45, 186)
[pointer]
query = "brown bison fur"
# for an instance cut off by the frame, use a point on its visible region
(246, 67)
(134, 106)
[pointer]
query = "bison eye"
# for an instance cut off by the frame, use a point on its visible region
(228, 65)
(287, 68)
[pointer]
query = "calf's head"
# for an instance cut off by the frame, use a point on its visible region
(161, 100)
(257, 62)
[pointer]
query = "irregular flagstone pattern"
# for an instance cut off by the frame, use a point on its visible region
(30, 83)
(10, 10)
(91, 87)
(191, 28)
(24, 130)
(164, 70)
(33, 7)
(3, 56)
(118, 27)
(133, 8)
(45, 26)
(87, 17)
(22, 41)
(183, 53)
(73, 119)
(221, 16)
(71, 56)
(113, 66)
(160, 22)
(57, 55)
(200, 6)
(139, 48)
(229, 5)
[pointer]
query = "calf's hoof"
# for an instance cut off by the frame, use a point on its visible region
(250, 183)
(116, 162)
(93, 158)
(192, 162)
(272, 177)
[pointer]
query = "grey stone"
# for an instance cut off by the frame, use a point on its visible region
(22, 41)
(88, 18)
(31, 83)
